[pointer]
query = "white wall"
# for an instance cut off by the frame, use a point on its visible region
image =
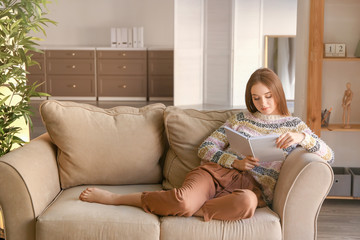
(279, 17)
(88, 22)
(233, 38)
(345, 146)
(341, 23)
(247, 45)
(218, 52)
(188, 52)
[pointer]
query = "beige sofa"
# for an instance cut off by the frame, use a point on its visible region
(125, 150)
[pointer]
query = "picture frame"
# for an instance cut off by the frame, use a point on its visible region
(334, 50)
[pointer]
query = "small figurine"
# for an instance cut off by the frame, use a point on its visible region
(346, 102)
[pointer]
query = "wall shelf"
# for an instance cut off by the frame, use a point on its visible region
(319, 78)
(343, 197)
(344, 59)
(340, 128)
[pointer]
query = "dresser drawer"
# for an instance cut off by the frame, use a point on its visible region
(71, 85)
(161, 86)
(70, 54)
(117, 86)
(121, 54)
(38, 79)
(36, 55)
(121, 67)
(74, 66)
(161, 54)
(161, 66)
(37, 69)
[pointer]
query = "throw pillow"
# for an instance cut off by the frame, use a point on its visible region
(186, 129)
(121, 145)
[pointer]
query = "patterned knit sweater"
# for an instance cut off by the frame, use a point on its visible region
(216, 147)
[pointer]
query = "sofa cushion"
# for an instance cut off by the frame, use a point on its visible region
(71, 219)
(121, 145)
(186, 129)
(265, 224)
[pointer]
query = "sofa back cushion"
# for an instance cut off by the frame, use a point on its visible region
(121, 145)
(186, 129)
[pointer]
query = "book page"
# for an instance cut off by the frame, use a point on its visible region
(261, 147)
(264, 148)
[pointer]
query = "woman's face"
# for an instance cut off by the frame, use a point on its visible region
(263, 100)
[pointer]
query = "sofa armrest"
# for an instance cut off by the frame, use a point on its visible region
(29, 181)
(304, 182)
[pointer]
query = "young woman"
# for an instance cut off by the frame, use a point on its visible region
(227, 186)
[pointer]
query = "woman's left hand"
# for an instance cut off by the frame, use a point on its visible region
(287, 139)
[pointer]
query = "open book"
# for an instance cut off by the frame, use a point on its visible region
(261, 147)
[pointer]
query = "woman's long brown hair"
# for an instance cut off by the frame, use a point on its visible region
(267, 77)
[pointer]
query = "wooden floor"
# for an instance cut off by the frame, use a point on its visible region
(338, 219)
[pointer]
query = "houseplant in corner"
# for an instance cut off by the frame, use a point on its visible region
(18, 19)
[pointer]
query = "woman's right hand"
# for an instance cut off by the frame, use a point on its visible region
(247, 163)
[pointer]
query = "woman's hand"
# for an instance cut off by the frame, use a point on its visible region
(247, 163)
(288, 139)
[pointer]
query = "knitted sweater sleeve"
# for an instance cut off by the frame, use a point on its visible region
(213, 147)
(314, 144)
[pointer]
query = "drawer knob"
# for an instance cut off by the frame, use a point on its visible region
(124, 67)
(124, 86)
(73, 66)
(72, 86)
(124, 54)
(73, 54)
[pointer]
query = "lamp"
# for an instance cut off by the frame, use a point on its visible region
(357, 51)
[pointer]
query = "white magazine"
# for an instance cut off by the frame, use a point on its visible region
(261, 147)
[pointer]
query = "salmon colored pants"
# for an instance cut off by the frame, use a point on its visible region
(221, 193)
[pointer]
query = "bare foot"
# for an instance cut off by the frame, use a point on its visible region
(97, 195)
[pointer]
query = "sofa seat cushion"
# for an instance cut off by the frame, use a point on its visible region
(106, 146)
(265, 224)
(71, 219)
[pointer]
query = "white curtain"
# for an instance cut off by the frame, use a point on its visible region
(281, 53)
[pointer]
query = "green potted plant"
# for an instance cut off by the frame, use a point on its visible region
(18, 19)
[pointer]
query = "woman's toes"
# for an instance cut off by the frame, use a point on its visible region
(83, 195)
